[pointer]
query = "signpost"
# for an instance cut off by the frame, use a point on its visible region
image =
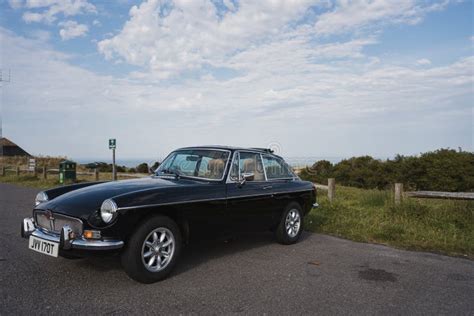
(31, 164)
(113, 145)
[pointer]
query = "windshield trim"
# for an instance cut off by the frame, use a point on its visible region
(200, 178)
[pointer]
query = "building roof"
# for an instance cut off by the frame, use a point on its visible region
(9, 148)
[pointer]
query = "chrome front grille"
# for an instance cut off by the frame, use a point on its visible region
(54, 222)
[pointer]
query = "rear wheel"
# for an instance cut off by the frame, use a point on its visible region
(153, 250)
(290, 227)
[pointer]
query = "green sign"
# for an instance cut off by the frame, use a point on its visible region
(112, 143)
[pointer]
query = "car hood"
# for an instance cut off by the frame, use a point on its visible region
(82, 202)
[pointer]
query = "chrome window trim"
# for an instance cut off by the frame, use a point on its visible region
(228, 179)
(210, 199)
(202, 148)
(264, 169)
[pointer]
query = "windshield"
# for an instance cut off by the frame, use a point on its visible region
(197, 163)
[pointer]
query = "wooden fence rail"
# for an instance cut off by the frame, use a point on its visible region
(399, 194)
(45, 171)
(441, 195)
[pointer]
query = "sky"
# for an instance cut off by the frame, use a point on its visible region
(304, 77)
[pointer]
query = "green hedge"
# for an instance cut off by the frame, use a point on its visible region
(441, 170)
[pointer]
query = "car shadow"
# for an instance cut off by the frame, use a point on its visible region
(199, 251)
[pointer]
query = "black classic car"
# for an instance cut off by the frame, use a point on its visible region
(147, 221)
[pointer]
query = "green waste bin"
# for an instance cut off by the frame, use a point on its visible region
(67, 171)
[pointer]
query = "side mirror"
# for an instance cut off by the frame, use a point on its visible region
(247, 176)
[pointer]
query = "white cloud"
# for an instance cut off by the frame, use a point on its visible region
(72, 29)
(194, 35)
(423, 62)
(348, 16)
(331, 90)
(96, 23)
(29, 17)
(47, 10)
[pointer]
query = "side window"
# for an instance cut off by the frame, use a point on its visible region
(276, 168)
(246, 162)
(252, 163)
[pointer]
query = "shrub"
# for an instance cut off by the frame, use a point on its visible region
(155, 165)
(142, 168)
(441, 170)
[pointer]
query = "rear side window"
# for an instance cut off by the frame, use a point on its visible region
(276, 168)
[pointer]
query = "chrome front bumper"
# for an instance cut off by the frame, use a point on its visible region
(28, 229)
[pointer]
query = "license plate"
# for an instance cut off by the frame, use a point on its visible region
(46, 247)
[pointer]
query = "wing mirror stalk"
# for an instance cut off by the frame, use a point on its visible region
(244, 177)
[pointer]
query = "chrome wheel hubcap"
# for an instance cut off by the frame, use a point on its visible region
(293, 223)
(158, 249)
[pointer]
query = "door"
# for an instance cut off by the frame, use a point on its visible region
(281, 178)
(249, 204)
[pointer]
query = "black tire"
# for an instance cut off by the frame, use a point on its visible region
(132, 260)
(281, 233)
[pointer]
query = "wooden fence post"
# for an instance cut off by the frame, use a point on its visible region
(45, 173)
(4, 171)
(34, 172)
(96, 174)
(17, 171)
(398, 193)
(331, 189)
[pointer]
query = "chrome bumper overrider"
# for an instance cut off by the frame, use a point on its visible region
(28, 229)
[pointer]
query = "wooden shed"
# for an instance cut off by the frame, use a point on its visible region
(10, 149)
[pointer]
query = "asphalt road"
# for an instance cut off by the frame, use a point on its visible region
(251, 275)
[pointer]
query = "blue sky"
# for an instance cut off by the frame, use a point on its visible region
(308, 77)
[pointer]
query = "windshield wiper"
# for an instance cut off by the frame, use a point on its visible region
(174, 172)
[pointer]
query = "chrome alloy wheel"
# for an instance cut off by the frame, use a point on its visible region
(158, 249)
(293, 223)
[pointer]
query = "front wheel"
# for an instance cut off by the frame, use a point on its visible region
(290, 227)
(153, 250)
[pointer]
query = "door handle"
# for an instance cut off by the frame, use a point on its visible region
(267, 187)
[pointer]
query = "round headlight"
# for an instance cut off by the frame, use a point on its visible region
(40, 198)
(108, 211)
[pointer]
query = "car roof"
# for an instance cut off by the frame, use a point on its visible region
(231, 148)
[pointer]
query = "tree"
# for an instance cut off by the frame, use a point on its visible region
(142, 168)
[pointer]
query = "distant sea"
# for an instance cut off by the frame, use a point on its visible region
(133, 162)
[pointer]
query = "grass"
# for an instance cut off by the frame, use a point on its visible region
(443, 226)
